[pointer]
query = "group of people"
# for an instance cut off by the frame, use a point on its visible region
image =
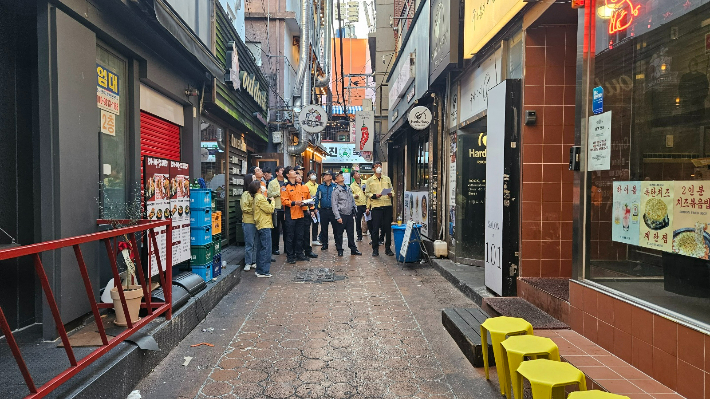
(284, 203)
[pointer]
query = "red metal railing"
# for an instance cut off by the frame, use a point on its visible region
(153, 309)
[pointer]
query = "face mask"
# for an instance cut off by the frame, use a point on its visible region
(313, 177)
(378, 170)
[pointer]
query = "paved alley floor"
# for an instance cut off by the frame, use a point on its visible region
(374, 332)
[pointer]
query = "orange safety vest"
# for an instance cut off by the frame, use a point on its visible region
(290, 193)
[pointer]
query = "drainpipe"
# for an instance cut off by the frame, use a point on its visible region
(323, 81)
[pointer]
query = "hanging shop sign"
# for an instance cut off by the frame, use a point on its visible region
(419, 118)
(251, 85)
(107, 95)
(343, 153)
(313, 118)
(365, 130)
(483, 19)
(232, 75)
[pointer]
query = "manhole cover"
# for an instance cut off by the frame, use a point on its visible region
(317, 275)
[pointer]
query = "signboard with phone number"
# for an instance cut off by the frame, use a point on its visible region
(107, 94)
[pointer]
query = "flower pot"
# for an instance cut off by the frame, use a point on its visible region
(133, 296)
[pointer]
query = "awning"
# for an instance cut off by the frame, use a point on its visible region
(338, 109)
(172, 23)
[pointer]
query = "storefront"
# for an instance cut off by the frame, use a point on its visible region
(642, 233)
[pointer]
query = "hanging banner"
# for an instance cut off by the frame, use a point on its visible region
(691, 216)
(626, 217)
(656, 229)
(179, 205)
(157, 205)
(452, 184)
(365, 128)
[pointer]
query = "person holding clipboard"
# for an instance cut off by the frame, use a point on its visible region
(379, 192)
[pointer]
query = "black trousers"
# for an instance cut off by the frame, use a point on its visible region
(326, 218)
(346, 226)
(276, 231)
(381, 224)
(305, 224)
(358, 219)
(294, 230)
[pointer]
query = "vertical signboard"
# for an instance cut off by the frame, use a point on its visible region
(599, 143)
(157, 203)
(107, 94)
(452, 184)
(495, 170)
(365, 128)
(179, 205)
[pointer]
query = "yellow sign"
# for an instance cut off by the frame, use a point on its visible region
(483, 19)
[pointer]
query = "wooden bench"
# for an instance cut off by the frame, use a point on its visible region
(464, 326)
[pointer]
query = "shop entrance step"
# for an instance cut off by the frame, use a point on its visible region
(519, 307)
(464, 326)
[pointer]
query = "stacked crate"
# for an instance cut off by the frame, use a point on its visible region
(201, 246)
(217, 243)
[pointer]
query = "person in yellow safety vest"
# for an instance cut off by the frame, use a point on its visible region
(358, 186)
(263, 219)
(381, 208)
(312, 184)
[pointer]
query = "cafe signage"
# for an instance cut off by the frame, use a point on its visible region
(251, 85)
(483, 19)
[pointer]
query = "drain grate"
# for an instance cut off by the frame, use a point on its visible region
(317, 275)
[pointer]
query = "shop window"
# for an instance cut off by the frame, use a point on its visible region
(649, 198)
(112, 79)
(255, 48)
(421, 163)
(214, 163)
(515, 56)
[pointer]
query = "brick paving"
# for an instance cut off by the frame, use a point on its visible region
(375, 334)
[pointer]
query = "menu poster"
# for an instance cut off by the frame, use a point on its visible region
(691, 215)
(599, 144)
(179, 207)
(656, 226)
(626, 216)
(157, 204)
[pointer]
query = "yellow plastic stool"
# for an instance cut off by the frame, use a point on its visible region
(548, 378)
(500, 328)
(595, 395)
(516, 348)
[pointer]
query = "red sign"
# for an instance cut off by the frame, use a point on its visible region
(623, 14)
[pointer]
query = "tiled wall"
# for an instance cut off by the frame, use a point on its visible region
(675, 355)
(546, 214)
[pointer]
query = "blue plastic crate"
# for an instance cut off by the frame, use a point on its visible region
(200, 198)
(217, 267)
(204, 271)
(200, 217)
(201, 235)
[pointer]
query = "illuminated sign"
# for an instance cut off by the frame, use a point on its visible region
(623, 13)
(483, 19)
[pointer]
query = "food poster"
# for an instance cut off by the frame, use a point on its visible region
(691, 215)
(656, 226)
(626, 212)
(157, 204)
(180, 208)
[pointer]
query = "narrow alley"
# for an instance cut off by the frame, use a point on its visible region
(374, 333)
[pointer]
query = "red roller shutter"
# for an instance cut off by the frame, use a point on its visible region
(159, 138)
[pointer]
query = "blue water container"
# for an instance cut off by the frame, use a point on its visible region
(204, 271)
(201, 235)
(200, 198)
(200, 217)
(413, 254)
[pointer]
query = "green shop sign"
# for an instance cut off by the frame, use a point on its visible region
(251, 85)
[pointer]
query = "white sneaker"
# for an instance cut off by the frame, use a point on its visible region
(316, 242)
(262, 275)
(247, 268)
